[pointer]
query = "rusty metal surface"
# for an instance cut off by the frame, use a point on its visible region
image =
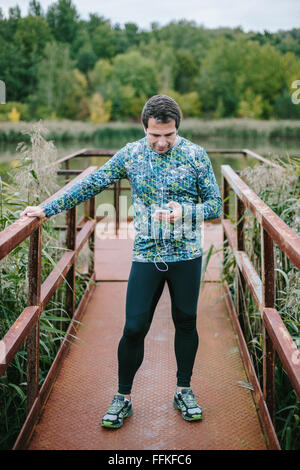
(15, 233)
(88, 379)
(270, 434)
(252, 154)
(16, 335)
(32, 417)
(34, 295)
(284, 345)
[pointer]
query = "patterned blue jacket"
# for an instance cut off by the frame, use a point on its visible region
(182, 174)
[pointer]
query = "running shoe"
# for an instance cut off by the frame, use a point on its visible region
(185, 401)
(119, 409)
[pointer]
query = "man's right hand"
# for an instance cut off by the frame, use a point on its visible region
(33, 211)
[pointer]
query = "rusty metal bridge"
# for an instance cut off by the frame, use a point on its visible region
(65, 411)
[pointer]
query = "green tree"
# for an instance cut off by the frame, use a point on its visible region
(264, 77)
(284, 107)
(86, 58)
(135, 70)
(103, 41)
(127, 82)
(230, 68)
(32, 34)
(186, 71)
(60, 87)
(35, 8)
(189, 103)
(185, 35)
(162, 54)
(251, 106)
(100, 77)
(219, 75)
(14, 71)
(62, 18)
(125, 103)
(99, 109)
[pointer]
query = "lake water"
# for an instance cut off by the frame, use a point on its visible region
(9, 157)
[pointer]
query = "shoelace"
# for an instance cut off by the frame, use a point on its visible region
(115, 405)
(190, 398)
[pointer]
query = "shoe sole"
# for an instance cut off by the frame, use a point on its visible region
(109, 425)
(195, 418)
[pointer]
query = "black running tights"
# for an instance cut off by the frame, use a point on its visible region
(145, 286)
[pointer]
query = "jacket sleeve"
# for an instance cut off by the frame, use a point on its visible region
(89, 186)
(211, 206)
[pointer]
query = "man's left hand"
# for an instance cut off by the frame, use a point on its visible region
(176, 214)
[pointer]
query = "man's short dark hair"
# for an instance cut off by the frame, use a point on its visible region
(163, 109)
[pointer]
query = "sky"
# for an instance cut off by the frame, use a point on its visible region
(251, 15)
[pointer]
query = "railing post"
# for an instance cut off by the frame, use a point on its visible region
(67, 167)
(225, 198)
(240, 281)
(117, 203)
(71, 245)
(92, 213)
(245, 163)
(267, 264)
(33, 339)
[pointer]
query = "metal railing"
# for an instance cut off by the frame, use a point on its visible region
(27, 325)
(117, 187)
(275, 335)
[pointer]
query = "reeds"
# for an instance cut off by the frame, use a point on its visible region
(281, 191)
(108, 133)
(28, 184)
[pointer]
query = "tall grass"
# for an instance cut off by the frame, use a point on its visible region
(281, 191)
(29, 184)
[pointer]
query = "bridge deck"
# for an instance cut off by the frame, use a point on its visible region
(88, 377)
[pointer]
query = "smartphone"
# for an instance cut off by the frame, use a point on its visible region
(162, 211)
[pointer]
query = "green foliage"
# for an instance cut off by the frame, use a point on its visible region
(60, 87)
(22, 108)
(63, 18)
(251, 106)
(189, 103)
(133, 69)
(103, 41)
(221, 73)
(32, 34)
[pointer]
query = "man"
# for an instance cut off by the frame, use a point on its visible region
(167, 174)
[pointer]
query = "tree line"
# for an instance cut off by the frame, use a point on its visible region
(58, 65)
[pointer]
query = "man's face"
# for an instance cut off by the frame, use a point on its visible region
(161, 135)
